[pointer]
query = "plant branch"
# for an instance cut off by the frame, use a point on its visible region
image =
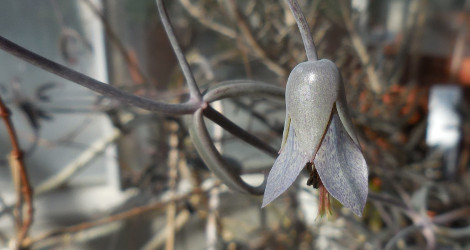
(361, 50)
(95, 85)
(235, 130)
(212, 158)
(133, 65)
(237, 88)
(116, 217)
(188, 75)
(77, 164)
(199, 14)
(253, 44)
(19, 167)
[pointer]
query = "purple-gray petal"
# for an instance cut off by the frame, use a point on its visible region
(311, 91)
(343, 113)
(342, 167)
(285, 170)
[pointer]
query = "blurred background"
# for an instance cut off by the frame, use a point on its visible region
(109, 176)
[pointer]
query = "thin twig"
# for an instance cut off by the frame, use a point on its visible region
(157, 241)
(26, 191)
(361, 50)
(78, 164)
(172, 174)
(199, 14)
(133, 65)
(254, 45)
(460, 43)
(116, 217)
(452, 215)
(403, 233)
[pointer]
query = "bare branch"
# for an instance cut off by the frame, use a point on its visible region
(23, 185)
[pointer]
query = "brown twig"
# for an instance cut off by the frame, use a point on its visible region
(135, 70)
(198, 13)
(26, 192)
(253, 44)
(172, 174)
(459, 48)
(361, 50)
(116, 217)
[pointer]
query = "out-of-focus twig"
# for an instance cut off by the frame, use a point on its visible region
(78, 164)
(131, 62)
(214, 199)
(459, 47)
(172, 174)
(120, 216)
(199, 14)
(24, 185)
(157, 241)
(403, 233)
(452, 215)
(253, 44)
(361, 50)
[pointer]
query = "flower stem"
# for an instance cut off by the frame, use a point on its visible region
(310, 49)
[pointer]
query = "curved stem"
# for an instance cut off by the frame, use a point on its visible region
(193, 88)
(230, 89)
(97, 86)
(304, 30)
(235, 130)
(214, 161)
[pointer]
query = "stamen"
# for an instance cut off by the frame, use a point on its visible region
(324, 201)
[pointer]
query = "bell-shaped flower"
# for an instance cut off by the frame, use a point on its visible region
(318, 131)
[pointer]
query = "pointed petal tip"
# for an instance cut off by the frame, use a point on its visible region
(359, 208)
(342, 168)
(285, 170)
(265, 203)
(357, 211)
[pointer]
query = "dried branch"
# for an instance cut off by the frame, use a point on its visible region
(133, 65)
(24, 185)
(116, 217)
(199, 14)
(361, 50)
(172, 174)
(253, 44)
(157, 241)
(78, 164)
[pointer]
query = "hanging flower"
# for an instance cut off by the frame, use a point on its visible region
(318, 131)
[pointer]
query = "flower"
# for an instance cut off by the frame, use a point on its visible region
(318, 131)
